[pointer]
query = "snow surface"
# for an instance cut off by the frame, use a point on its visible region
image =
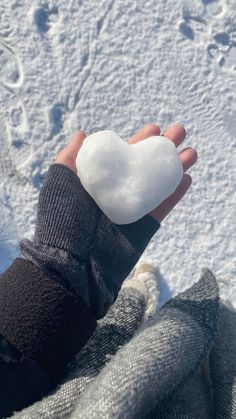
(114, 64)
(123, 179)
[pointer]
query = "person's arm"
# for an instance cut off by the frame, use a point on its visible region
(43, 319)
(71, 273)
(82, 251)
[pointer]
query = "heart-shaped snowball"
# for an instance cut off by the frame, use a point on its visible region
(128, 181)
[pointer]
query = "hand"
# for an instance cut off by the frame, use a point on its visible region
(175, 133)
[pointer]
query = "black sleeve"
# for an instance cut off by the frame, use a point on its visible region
(44, 321)
(22, 382)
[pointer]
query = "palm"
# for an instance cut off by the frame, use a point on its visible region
(175, 133)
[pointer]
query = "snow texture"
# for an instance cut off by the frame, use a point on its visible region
(128, 181)
(113, 64)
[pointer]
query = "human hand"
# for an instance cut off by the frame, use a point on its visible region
(77, 244)
(175, 133)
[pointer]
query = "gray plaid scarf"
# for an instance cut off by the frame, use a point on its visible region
(179, 364)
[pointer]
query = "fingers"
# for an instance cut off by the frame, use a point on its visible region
(175, 133)
(145, 132)
(75, 143)
(188, 157)
(166, 206)
(68, 155)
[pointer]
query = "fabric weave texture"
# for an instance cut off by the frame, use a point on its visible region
(162, 372)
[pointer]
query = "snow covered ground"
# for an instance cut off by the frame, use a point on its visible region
(115, 64)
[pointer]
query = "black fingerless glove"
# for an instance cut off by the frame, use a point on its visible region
(76, 244)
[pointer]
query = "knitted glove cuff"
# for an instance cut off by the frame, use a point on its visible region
(67, 216)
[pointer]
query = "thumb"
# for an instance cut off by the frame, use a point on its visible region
(68, 154)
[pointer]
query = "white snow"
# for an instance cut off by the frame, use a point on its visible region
(71, 64)
(128, 181)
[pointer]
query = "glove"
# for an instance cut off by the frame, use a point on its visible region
(77, 245)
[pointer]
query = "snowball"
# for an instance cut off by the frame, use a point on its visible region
(128, 181)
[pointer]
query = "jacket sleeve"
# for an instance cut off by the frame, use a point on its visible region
(43, 320)
(22, 382)
(42, 326)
